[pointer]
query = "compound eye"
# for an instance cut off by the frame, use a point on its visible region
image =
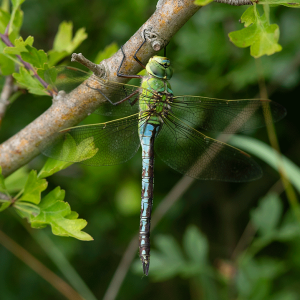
(158, 71)
(169, 73)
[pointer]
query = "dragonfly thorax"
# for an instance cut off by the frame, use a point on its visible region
(159, 67)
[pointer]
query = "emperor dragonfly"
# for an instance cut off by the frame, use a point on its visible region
(169, 123)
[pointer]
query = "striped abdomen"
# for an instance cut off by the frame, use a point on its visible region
(148, 132)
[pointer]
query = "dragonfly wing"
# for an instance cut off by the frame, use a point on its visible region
(228, 116)
(68, 78)
(98, 144)
(190, 152)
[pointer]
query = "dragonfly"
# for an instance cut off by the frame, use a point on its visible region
(163, 124)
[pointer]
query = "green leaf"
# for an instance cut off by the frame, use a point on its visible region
(4, 19)
(195, 245)
(77, 153)
(33, 188)
(106, 53)
(20, 46)
(2, 183)
(52, 166)
(57, 213)
(259, 34)
(202, 2)
(268, 155)
(64, 45)
(26, 210)
(63, 40)
(267, 215)
(17, 3)
(25, 79)
(55, 56)
(35, 57)
(17, 180)
(7, 66)
(4, 205)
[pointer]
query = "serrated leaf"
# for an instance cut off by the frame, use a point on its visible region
(3, 188)
(72, 216)
(195, 245)
(52, 166)
(202, 2)
(63, 39)
(267, 215)
(57, 213)
(20, 46)
(35, 57)
(26, 210)
(260, 35)
(17, 180)
(33, 188)
(32, 84)
(106, 53)
(248, 17)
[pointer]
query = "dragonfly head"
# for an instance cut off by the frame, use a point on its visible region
(159, 67)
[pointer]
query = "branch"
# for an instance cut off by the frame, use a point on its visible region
(5, 95)
(68, 110)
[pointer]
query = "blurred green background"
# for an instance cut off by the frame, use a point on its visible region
(205, 63)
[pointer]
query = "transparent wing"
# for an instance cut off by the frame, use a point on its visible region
(190, 152)
(98, 144)
(228, 116)
(68, 78)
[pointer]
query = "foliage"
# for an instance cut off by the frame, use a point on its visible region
(208, 264)
(259, 34)
(49, 210)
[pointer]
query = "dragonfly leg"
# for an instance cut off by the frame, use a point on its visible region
(135, 57)
(123, 75)
(134, 101)
(115, 103)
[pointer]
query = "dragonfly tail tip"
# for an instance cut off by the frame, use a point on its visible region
(146, 268)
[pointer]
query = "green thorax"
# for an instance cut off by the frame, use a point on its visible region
(156, 89)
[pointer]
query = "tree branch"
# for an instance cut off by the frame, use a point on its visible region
(5, 95)
(68, 110)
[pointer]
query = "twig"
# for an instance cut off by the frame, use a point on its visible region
(5, 94)
(39, 268)
(28, 66)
